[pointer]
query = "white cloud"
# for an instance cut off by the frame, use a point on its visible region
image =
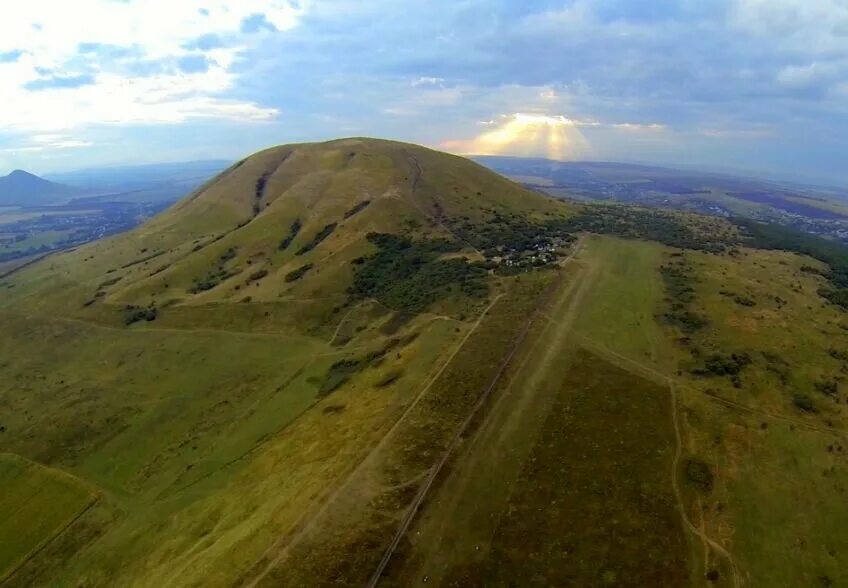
(49, 33)
(807, 27)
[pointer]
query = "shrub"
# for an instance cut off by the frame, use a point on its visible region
(293, 231)
(295, 275)
(357, 209)
(803, 402)
(134, 314)
(257, 275)
(316, 240)
(699, 474)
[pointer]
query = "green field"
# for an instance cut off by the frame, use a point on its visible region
(320, 370)
(36, 505)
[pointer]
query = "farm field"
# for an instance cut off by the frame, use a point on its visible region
(36, 504)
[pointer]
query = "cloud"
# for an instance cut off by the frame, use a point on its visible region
(256, 23)
(193, 64)
(49, 142)
(60, 81)
(204, 42)
(10, 56)
(131, 64)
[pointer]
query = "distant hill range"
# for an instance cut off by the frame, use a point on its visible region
(813, 209)
(158, 182)
(21, 188)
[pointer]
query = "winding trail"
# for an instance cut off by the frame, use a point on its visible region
(308, 521)
(678, 453)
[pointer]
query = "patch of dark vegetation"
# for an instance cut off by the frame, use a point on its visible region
(837, 354)
(134, 314)
(409, 276)
(143, 259)
(341, 371)
(338, 374)
(778, 366)
(357, 209)
(217, 275)
(699, 475)
(396, 322)
(159, 269)
(295, 275)
(723, 364)
(334, 409)
(293, 231)
(109, 282)
(803, 402)
(389, 378)
(680, 294)
(261, 183)
(316, 240)
(227, 255)
(257, 275)
(641, 223)
(744, 300)
(827, 387)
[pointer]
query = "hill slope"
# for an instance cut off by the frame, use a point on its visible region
(367, 363)
(25, 189)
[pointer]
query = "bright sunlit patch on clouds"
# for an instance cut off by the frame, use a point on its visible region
(555, 137)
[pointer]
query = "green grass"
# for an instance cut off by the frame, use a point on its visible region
(593, 505)
(278, 430)
(36, 504)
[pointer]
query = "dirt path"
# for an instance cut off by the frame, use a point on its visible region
(678, 453)
(307, 522)
(416, 178)
(538, 313)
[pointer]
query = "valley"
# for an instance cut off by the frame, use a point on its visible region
(367, 363)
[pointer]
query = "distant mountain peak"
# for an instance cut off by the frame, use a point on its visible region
(20, 173)
(24, 188)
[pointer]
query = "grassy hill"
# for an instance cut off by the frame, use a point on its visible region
(24, 188)
(368, 363)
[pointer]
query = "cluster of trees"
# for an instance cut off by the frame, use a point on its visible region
(295, 275)
(725, 364)
(216, 275)
(677, 278)
(134, 314)
(293, 231)
(357, 209)
(409, 276)
(640, 223)
(341, 371)
(316, 240)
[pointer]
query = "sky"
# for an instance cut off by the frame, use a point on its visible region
(745, 85)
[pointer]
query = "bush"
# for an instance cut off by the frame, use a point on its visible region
(699, 475)
(134, 314)
(293, 231)
(803, 402)
(718, 364)
(316, 240)
(257, 275)
(357, 209)
(295, 275)
(744, 300)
